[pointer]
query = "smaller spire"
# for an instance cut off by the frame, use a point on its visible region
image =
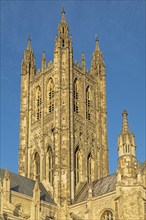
(63, 15)
(29, 43)
(125, 127)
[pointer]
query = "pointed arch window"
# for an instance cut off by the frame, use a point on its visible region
(50, 96)
(76, 96)
(77, 166)
(38, 103)
(37, 165)
(63, 43)
(107, 215)
(88, 103)
(49, 163)
(89, 159)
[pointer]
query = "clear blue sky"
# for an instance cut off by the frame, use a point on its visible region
(120, 26)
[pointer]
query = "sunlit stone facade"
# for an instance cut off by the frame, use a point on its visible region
(63, 153)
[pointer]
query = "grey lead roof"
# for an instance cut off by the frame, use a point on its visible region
(99, 187)
(25, 186)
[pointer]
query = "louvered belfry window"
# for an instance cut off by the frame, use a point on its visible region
(50, 96)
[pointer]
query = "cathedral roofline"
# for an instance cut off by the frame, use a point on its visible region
(25, 186)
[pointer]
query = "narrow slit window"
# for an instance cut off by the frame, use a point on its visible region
(63, 43)
(38, 103)
(88, 104)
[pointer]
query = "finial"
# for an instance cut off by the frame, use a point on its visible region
(63, 15)
(97, 43)
(125, 127)
(43, 55)
(96, 38)
(63, 12)
(29, 43)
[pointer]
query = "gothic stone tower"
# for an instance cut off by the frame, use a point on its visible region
(63, 119)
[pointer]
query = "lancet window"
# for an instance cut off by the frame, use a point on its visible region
(49, 163)
(107, 215)
(77, 165)
(76, 96)
(38, 103)
(37, 165)
(50, 96)
(88, 103)
(89, 167)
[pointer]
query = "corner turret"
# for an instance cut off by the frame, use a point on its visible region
(28, 65)
(126, 151)
(97, 62)
(63, 31)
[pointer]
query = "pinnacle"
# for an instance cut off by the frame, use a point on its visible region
(63, 12)
(97, 43)
(29, 43)
(125, 127)
(63, 15)
(43, 55)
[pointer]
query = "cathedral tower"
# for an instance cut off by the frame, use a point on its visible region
(63, 119)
